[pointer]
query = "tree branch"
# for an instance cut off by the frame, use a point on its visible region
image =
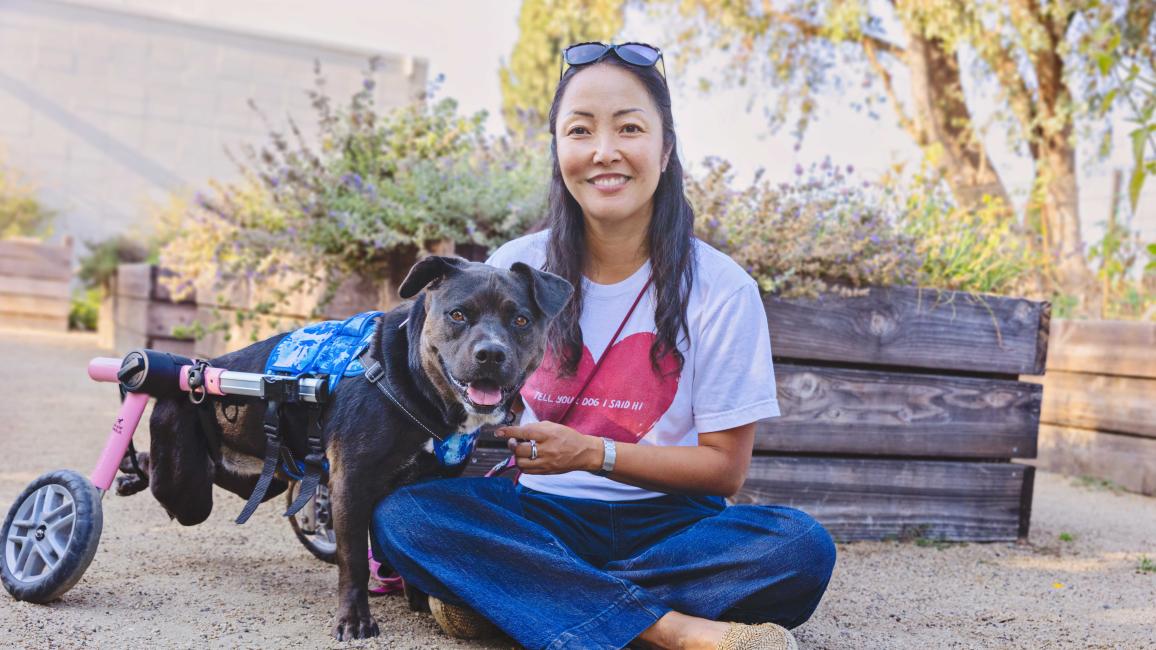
(905, 121)
(1015, 89)
(816, 31)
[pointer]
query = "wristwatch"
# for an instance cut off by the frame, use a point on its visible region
(609, 454)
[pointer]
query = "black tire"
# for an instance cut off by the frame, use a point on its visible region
(46, 551)
(313, 525)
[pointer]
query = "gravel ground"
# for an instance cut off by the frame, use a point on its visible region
(157, 584)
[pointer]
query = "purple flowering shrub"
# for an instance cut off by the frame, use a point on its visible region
(820, 233)
(370, 187)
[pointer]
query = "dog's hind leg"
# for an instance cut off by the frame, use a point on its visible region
(180, 469)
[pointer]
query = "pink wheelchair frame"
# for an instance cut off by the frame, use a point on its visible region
(51, 532)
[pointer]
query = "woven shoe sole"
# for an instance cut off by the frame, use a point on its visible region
(765, 636)
(461, 622)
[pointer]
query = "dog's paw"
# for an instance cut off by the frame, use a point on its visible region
(128, 485)
(351, 626)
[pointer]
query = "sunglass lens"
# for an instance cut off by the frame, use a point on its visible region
(584, 53)
(638, 54)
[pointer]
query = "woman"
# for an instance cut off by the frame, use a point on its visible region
(617, 532)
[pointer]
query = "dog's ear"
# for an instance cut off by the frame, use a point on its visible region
(550, 292)
(427, 270)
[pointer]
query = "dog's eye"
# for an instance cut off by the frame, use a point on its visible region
(458, 316)
(521, 321)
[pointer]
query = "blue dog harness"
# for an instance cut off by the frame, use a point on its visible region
(334, 348)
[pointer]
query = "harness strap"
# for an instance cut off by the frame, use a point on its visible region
(374, 373)
(272, 454)
(314, 463)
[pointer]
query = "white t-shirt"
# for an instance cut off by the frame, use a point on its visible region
(727, 379)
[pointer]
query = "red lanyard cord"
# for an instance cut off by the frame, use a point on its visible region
(512, 461)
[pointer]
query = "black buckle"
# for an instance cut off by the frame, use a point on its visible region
(375, 372)
(281, 389)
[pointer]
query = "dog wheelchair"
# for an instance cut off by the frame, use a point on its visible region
(52, 530)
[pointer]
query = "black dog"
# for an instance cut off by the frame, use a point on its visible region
(456, 357)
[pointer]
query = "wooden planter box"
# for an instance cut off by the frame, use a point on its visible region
(1099, 410)
(901, 412)
(34, 279)
(145, 314)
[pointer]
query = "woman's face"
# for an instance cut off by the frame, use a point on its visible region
(610, 150)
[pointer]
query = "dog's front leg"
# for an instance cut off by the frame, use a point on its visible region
(351, 510)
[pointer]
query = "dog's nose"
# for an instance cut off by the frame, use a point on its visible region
(489, 353)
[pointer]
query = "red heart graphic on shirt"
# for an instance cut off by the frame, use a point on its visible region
(623, 401)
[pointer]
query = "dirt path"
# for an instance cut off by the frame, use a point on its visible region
(156, 584)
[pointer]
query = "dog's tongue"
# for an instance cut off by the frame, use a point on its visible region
(484, 393)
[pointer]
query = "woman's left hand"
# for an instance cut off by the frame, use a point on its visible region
(559, 448)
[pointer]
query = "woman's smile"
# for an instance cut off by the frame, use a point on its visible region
(609, 183)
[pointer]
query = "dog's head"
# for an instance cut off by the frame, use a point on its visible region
(484, 329)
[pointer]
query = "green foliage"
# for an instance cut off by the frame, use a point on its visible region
(1039, 62)
(820, 233)
(1125, 291)
(84, 310)
(98, 266)
(544, 28)
(21, 214)
(1096, 483)
(968, 250)
(373, 185)
(1120, 68)
(1145, 565)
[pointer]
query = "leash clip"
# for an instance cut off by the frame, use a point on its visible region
(196, 379)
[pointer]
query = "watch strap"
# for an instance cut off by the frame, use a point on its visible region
(609, 455)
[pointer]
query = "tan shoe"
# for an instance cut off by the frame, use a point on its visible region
(461, 622)
(764, 636)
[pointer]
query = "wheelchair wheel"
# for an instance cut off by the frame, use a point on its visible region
(313, 524)
(50, 536)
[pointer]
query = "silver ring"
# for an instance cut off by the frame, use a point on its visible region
(533, 450)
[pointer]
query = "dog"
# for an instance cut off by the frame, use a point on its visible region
(457, 355)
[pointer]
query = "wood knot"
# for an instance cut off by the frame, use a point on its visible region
(881, 324)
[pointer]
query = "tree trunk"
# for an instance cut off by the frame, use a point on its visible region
(1060, 211)
(943, 119)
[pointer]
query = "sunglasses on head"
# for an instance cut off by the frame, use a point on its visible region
(639, 54)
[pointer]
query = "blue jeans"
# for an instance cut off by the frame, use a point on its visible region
(561, 572)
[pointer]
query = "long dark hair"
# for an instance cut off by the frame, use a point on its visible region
(670, 239)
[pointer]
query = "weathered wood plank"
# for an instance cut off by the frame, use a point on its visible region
(134, 281)
(861, 499)
(164, 317)
(921, 328)
(235, 336)
(853, 412)
(33, 259)
(40, 287)
(27, 321)
(1102, 402)
(131, 313)
(183, 347)
(34, 305)
(1127, 461)
(1125, 348)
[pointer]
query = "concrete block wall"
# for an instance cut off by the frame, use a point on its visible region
(105, 110)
